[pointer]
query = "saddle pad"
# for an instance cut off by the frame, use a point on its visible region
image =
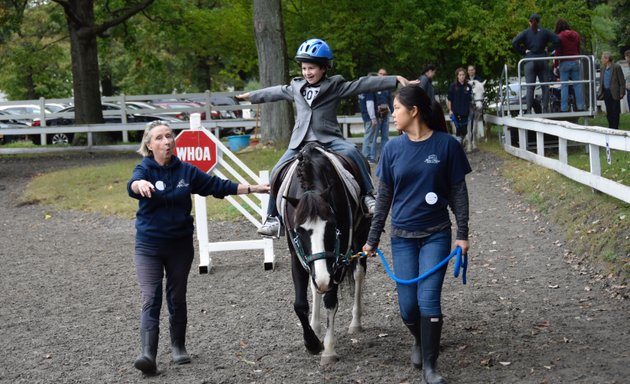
(348, 179)
(286, 182)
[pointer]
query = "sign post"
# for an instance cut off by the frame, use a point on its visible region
(200, 148)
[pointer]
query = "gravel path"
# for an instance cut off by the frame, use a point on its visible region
(70, 304)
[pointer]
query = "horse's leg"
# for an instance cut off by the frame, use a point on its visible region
(357, 307)
(329, 355)
(316, 323)
(300, 305)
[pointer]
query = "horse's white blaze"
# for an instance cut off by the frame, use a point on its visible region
(318, 227)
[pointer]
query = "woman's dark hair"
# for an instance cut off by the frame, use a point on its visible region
(431, 111)
(562, 25)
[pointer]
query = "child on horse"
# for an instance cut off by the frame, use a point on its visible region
(317, 97)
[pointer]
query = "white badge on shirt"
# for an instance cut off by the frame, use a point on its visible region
(431, 198)
(159, 185)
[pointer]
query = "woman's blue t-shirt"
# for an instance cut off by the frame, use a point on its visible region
(421, 175)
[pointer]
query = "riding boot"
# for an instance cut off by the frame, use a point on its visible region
(431, 331)
(416, 348)
(146, 361)
(178, 344)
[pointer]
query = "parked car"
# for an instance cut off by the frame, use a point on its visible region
(171, 104)
(158, 111)
(64, 138)
(8, 122)
(25, 109)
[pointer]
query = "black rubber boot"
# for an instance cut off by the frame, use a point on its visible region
(178, 344)
(431, 331)
(146, 361)
(416, 348)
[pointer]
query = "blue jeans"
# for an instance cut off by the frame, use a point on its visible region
(152, 260)
(382, 130)
(340, 146)
(413, 257)
(570, 70)
(369, 141)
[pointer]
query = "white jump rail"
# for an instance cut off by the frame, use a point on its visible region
(259, 206)
(594, 138)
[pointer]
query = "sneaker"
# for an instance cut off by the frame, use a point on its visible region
(271, 228)
(370, 203)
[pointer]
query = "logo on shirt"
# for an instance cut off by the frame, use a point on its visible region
(159, 185)
(182, 184)
(432, 159)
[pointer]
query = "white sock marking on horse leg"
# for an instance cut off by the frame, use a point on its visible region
(316, 324)
(329, 353)
(357, 308)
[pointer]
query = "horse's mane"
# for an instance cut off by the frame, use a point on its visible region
(314, 173)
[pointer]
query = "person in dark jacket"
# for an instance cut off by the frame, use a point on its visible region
(532, 43)
(612, 88)
(384, 106)
(426, 80)
(163, 185)
(458, 101)
(569, 68)
(422, 173)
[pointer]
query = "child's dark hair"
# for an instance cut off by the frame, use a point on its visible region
(431, 111)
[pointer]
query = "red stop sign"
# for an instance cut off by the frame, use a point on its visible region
(196, 148)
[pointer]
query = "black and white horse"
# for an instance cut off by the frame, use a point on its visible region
(476, 129)
(325, 228)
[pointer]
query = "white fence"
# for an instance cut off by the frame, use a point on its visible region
(595, 139)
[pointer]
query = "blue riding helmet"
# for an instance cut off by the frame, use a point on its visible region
(315, 51)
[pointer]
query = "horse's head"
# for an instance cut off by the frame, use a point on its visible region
(314, 227)
(478, 91)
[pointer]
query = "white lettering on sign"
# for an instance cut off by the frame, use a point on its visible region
(193, 154)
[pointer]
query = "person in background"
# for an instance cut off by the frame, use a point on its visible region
(612, 88)
(458, 101)
(627, 56)
(421, 174)
(569, 68)
(384, 106)
(163, 185)
(472, 74)
(426, 80)
(370, 122)
(317, 97)
(531, 43)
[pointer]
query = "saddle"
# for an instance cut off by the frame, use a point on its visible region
(346, 170)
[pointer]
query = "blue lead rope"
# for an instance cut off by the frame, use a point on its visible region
(459, 264)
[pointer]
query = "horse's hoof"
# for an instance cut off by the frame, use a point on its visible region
(355, 329)
(314, 348)
(327, 360)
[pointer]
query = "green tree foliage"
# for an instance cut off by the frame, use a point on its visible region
(34, 56)
(194, 45)
(183, 46)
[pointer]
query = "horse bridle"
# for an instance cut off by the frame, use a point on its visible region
(341, 261)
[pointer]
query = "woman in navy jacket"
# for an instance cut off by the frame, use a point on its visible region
(164, 235)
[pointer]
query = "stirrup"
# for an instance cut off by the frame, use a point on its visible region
(271, 229)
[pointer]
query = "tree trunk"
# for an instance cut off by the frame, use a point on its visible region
(276, 118)
(85, 72)
(84, 52)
